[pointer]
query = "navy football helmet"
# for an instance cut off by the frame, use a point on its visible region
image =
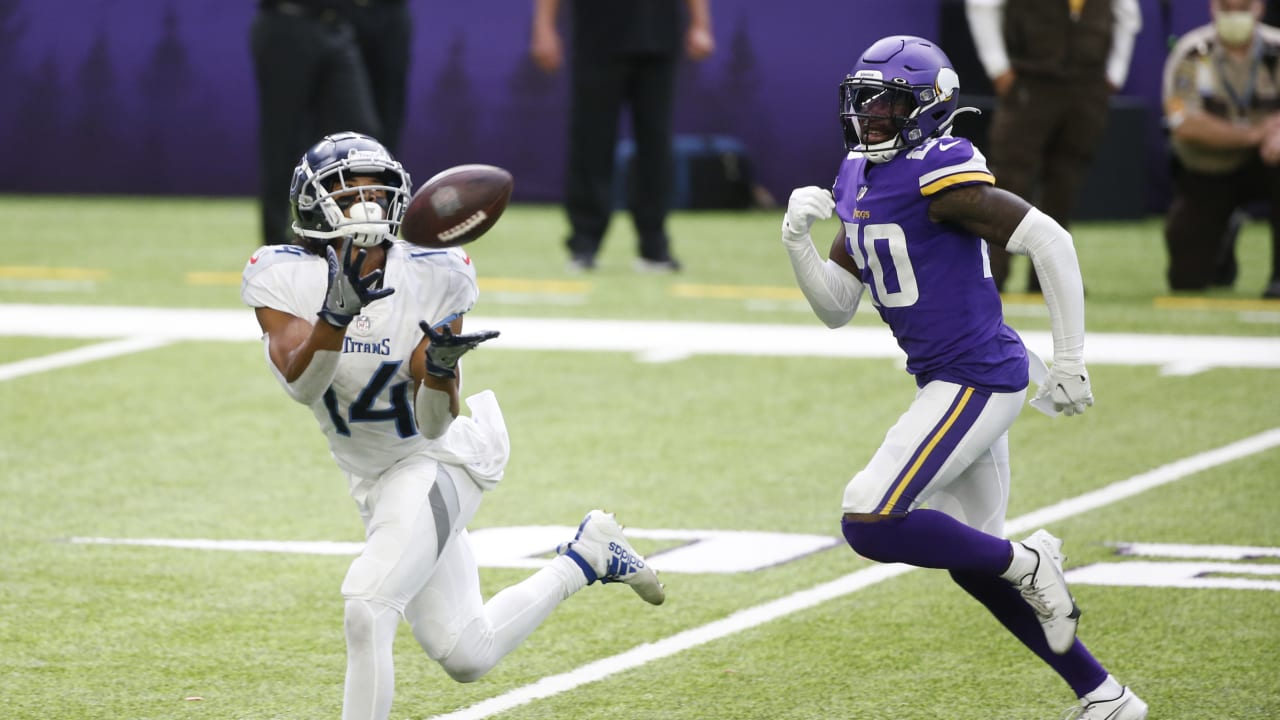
(902, 91)
(327, 204)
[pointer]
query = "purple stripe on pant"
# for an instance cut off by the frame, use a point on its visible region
(934, 450)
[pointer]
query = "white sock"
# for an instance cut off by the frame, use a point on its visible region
(1110, 689)
(1025, 561)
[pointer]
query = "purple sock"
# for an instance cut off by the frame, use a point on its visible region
(928, 538)
(1077, 666)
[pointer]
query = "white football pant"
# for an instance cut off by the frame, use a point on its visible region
(417, 562)
(949, 450)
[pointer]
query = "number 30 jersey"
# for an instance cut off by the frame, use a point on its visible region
(367, 412)
(930, 282)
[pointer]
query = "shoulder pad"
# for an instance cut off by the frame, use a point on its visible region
(947, 162)
(454, 257)
(272, 255)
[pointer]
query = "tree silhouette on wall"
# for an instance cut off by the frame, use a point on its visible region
(36, 127)
(179, 125)
(96, 121)
(12, 27)
(532, 115)
(739, 110)
(450, 115)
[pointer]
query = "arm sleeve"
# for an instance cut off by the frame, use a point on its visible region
(432, 408)
(1127, 23)
(310, 386)
(1053, 254)
(832, 292)
(985, 20)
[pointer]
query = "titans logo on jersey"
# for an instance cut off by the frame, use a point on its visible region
(930, 282)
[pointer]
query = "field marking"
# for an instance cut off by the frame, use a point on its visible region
(650, 340)
(853, 582)
(80, 355)
(695, 552)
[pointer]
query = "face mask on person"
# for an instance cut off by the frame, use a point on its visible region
(1235, 27)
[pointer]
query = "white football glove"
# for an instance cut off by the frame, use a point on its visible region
(1067, 388)
(806, 206)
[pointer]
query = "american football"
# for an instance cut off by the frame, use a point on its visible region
(457, 205)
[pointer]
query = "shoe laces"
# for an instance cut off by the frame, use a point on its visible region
(1033, 593)
(1074, 712)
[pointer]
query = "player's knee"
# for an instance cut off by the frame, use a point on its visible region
(466, 667)
(472, 657)
(871, 536)
(360, 618)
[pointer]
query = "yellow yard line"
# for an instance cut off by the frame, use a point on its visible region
(1202, 303)
(212, 278)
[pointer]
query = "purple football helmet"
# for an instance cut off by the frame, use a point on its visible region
(902, 91)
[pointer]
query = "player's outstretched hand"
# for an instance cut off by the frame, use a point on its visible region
(1068, 389)
(806, 206)
(349, 291)
(446, 348)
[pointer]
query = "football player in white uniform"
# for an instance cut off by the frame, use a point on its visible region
(366, 330)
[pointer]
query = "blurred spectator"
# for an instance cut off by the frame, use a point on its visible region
(323, 66)
(623, 52)
(1221, 97)
(1054, 65)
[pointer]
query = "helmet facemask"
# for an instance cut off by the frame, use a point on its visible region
(363, 194)
(878, 119)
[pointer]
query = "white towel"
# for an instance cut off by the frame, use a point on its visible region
(479, 443)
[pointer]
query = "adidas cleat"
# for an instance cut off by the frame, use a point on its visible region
(604, 554)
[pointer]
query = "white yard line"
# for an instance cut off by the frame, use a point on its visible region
(853, 582)
(88, 353)
(649, 341)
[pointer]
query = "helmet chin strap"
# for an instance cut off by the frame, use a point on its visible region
(884, 151)
(367, 227)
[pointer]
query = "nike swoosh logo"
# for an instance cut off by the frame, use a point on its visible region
(253, 259)
(945, 146)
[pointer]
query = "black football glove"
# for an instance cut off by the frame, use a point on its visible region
(349, 291)
(446, 348)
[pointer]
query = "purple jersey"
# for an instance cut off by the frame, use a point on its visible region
(930, 282)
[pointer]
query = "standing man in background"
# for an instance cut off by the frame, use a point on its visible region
(1222, 106)
(624, 52)
(323, 66)
(1054, 65)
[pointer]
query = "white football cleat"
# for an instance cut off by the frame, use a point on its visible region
(1126, 707)
(1045, 590)
(604, 554)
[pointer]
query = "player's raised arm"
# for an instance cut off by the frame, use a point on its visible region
(832, 287)
(304, 356)
(435, 365)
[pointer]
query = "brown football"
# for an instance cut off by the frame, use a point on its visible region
(457, 206)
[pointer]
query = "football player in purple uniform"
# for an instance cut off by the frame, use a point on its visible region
(918, 208)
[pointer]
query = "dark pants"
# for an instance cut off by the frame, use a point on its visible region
(601, 87)
(1200, 212)
(1043, 137)
(314, 78)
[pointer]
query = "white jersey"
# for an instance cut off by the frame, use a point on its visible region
(367, 412)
